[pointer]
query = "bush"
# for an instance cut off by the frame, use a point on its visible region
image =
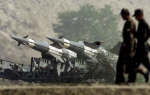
(89, 24)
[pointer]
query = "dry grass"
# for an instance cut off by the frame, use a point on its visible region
(76, 90)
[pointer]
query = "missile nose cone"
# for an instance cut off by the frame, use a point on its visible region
(16, 38)
(13, 37)
(52, 39)
(49, 38)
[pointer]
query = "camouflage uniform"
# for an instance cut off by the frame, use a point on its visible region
(125, 62)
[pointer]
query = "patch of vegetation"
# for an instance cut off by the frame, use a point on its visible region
(89, 24)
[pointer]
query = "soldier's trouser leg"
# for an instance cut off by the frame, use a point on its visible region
(132, 73)
(143, 59)
(146, 63)
(144, 71)
(120, 78)
(132, 77)
(131, 69)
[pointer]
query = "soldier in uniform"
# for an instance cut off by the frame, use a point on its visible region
(142, 35)
(125, 61)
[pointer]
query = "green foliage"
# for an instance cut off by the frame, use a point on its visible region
(89, 24)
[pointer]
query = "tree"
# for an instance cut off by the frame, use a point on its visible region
(89, 24)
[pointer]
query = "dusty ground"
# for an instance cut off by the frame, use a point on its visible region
(76, 90)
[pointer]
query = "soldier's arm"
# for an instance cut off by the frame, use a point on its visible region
(147, 35)
(131, 31)
(132, 44)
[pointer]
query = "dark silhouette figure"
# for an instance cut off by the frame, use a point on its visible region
(125, 62)
(142, 35)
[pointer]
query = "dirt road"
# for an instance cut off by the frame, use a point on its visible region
(76, 90)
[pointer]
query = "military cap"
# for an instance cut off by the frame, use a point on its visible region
(138, 12)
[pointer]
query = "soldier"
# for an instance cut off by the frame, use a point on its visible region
(125, 61)
(142, 35)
